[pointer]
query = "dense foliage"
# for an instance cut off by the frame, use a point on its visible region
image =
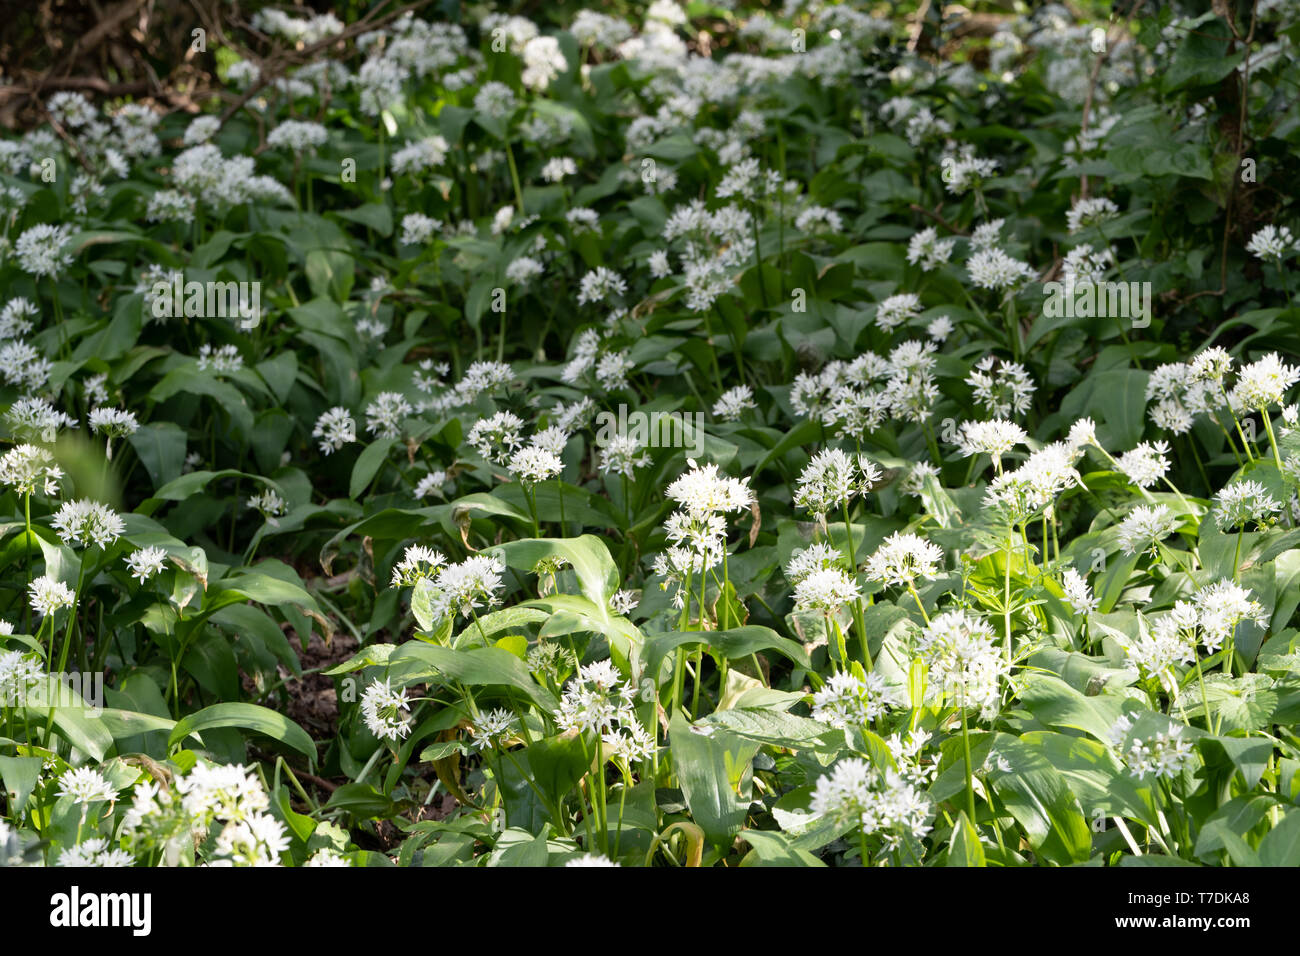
(718, 437)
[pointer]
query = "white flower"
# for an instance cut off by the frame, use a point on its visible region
(558, 167)
(523, 269)
(297, 135)
(113, 422)
(1146, 464)
(335, 428)
(41, 250)
(384, 415)
(418, 562)
(926, 249)
(622, 455)
(1144, 526)
(48, 595)
(269, 503)
(385, 711)
(420, 155)
(543, 62)
(1090, 212)
(94, 852)
(1272, 243)
(832, 479)
(1162, 755)
(493, 728)
(994, 438)
(146, 562)
(992, 268)
(418, 229)
(497, 437)
(964, 661)
(623, 602)
(1241, 503)
(886, 804)
(702, 491)
(1264, 383)
(1077, 592)
(599, 284)
(896, 310)
(902, 558)
(86, 522)
(845, 701)
(590, 859)
(86, 785)
(531, 465)
(826, 590)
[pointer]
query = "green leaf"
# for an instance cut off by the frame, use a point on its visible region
(964, 847)
(246, 717)
(714, 772)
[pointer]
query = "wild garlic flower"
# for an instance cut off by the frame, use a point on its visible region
(1220, 607)
(846, 700)
(1272, 243)
(269, 503)
(85, 522)
(623, 602)
(523, 269)
(880, 804)
(146, 562)
(826, 590)
(1002, 387)
(1077, 593)
(1166, 754)
(927, 250)
(622, 455)
(257, 840)
(335, 428)
(1145, 464)
(964, 662)
(86, 785)
(1144, 526)
(95, 852)
(702, 491)
(386, 712)
(42, 250)
(902, 558)
(465, 587)
(1090, 212)
(591, 859)
(599, 701)
(497, 437)
(600, 284)
(816, 557)
(993, 269)
(48, 595)
(1242, 503)
(530, 465)
(832, 479)
(28, 467)
(418, 562)
(1156, 650)
(492, 729)
(297, 135)
(19, 671)
(384, 415)
(897, 310)
(993, 438)
(1212, 364)
(113, 422)
(1263, 384)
